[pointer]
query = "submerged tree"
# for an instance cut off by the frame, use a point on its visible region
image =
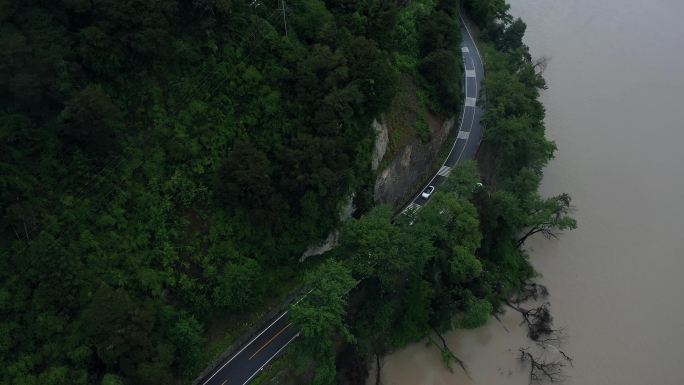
(547, 366)
(538, 319)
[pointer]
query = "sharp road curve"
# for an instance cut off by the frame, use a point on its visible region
(241, 367)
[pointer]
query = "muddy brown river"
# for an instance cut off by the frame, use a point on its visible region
(615, 107)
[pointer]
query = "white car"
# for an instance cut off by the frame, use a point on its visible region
(428, 191)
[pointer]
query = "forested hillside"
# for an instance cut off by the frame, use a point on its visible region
(164, 162)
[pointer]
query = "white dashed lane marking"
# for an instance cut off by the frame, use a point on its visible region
(411, 208)
(445, 170)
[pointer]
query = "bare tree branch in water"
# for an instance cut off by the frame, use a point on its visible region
(555, 338)
(496, 317)
(378, 366)
(540, 64)
(530, 291)
(538, 320)
(548, 366)
(447, 354)
(543, 369)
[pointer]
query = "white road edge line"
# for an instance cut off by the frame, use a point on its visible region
(476, 88)
(465, 92)
(464, 108)
(471, 36)
(269, 360)
(245, 347)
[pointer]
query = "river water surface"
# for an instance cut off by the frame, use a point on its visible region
(615, 107)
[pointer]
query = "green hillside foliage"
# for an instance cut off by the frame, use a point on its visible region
(166, 162)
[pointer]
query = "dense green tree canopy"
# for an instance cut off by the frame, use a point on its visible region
(166, 162)
(320, 317)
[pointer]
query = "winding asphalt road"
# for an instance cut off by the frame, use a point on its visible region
(469, 134)
(241, 367)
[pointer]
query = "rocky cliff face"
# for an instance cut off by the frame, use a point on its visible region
(381, 142)
(408, 170)
(402, 176)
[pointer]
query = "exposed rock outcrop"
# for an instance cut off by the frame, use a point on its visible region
(404, 174)
(331, 241)
(381, 142)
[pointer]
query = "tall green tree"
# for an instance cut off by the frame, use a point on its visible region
(320, 317)
(547, 217)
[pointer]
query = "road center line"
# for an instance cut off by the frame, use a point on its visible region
(269, 360)
(271, 340)
(244, 347)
